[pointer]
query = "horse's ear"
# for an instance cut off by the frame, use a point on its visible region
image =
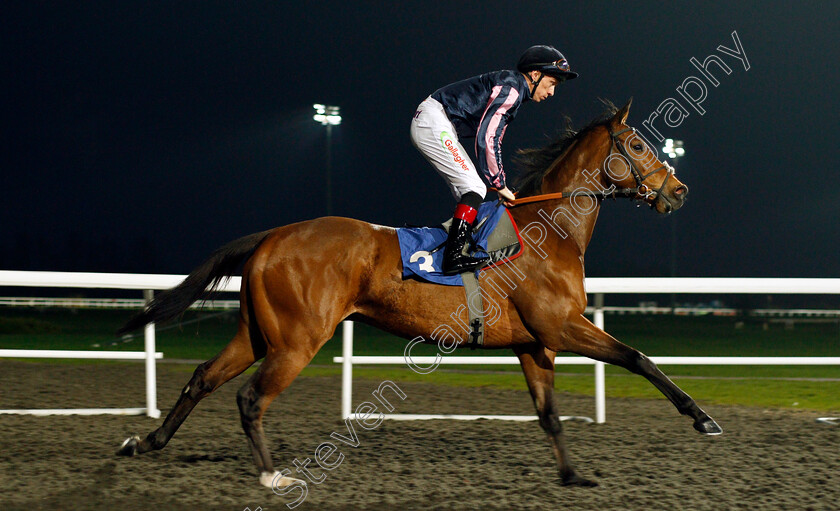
(621, 115)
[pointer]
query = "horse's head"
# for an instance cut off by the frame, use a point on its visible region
(633, 164)
(627, 166)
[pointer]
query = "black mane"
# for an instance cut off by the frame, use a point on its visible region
(535, 163)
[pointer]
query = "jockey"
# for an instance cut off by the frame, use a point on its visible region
(480, 108)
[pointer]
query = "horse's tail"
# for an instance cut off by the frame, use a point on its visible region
(219, 267)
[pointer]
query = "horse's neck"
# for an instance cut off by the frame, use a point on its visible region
(577, 170)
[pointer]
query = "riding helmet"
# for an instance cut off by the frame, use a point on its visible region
(547, 60)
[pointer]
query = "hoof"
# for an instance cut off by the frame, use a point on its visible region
(576, 480)
(708, 426)
(129, 447)
(277, 480)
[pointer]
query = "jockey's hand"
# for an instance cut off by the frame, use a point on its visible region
(507, 195)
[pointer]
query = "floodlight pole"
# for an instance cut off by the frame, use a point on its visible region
(673, 260)
(329, 116)
(328, 184)
(674, 149)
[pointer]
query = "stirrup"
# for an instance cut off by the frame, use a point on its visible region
(463, 264)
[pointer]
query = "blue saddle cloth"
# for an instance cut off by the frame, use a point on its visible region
(416, 243)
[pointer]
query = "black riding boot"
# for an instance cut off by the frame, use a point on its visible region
(454, 259)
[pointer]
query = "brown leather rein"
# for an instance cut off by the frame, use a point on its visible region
(620, 192)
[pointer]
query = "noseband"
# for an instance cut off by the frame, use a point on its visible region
(640, 192)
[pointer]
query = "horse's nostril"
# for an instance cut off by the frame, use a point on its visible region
(680, 190)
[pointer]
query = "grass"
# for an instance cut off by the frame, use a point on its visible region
(655, 335)
(810, 395)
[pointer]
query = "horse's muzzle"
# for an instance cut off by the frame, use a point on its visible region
(672, 200)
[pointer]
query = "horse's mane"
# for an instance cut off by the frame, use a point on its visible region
(536, 162)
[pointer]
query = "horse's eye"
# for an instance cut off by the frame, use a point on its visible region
(637, 147)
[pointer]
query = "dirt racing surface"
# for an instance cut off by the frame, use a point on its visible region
(645, 457)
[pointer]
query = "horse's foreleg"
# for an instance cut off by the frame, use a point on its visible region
(208, 376)
(538, 366)
(584, 338)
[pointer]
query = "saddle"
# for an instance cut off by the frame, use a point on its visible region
(495, 235)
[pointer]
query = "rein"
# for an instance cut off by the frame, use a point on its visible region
(639, 192)
(621, 192)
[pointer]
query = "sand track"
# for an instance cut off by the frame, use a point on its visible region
(645, 457)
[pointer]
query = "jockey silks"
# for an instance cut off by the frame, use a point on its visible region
(481, 107)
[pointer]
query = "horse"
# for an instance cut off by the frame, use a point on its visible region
(300, 281)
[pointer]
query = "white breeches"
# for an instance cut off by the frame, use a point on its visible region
(433, 134)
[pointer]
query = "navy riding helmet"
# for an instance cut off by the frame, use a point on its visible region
(547, 60)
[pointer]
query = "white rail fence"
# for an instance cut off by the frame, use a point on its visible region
(147, 283)
(599, 287)
(595, 286)
(772, 315)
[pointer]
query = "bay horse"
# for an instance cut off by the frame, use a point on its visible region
(301, 280)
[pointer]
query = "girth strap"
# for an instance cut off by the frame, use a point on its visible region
(475, 306)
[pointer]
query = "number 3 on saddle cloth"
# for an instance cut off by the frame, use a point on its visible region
(421, 248)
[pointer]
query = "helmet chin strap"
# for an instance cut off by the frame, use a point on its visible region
(535, 83)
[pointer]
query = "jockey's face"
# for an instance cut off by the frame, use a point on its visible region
(546, 87)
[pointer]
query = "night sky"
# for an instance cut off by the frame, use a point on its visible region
(140, 136)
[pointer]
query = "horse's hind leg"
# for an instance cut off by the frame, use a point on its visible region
(590, 341)
(273, 376)
(237, 356)
(538, 365)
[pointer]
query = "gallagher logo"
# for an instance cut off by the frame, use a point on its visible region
(449, 144)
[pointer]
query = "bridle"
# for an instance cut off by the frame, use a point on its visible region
(643, 190)
(640, 192)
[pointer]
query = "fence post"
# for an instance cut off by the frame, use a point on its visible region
(600, 395)
(346, 368)
(151, 376)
